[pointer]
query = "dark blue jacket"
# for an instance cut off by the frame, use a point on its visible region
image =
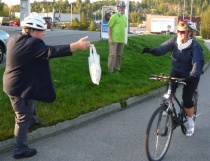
(27, 72)
(189, 61)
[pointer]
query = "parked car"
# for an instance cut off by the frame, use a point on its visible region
(14, 23)
(4, 21)
(4, 37)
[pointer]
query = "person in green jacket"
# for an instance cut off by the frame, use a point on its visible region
(116, 33)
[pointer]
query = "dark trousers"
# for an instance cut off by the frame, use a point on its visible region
(188, 89)
(24, 110)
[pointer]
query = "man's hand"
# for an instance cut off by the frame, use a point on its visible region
(81, 44)
(111, 42)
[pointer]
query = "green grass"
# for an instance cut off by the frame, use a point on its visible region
(76, 94)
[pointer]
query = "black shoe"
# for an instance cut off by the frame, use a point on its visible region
(25, 154)
(34, 123)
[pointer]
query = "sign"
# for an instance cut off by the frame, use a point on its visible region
(159, 25)
(107, 12)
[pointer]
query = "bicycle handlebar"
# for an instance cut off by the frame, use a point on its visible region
(160, 77)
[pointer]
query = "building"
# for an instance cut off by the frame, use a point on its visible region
(56, 17)
(161, 24)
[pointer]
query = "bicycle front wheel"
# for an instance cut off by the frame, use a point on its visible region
(158, 134)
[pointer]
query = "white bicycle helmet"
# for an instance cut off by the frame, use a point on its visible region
(190, 24)
(121, 4)
(34, 22)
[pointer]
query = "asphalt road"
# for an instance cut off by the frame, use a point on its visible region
(120, 136)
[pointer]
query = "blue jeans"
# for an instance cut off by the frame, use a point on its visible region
(24, 109)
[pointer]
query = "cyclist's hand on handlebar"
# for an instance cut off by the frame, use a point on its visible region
(190, 79)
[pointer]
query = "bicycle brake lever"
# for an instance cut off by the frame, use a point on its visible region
(181, 81)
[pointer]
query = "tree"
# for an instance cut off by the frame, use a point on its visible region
(205, 5)
(75, 24)
(83, 22)
(92, 26)
(205, 26)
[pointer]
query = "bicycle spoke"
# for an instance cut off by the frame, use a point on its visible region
(156, 145)
(158, 135)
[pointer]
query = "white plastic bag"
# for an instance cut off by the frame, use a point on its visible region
(94, 65)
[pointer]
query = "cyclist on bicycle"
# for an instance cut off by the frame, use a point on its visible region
(187, 62)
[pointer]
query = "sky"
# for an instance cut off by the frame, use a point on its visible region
(14, 2)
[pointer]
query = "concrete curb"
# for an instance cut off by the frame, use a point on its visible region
(41, 133)
(51, 130)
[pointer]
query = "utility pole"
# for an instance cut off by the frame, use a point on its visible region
(183, 9)
(24, 9)
(71, 13)
(178, 10)
(70, 2)
(191, 10)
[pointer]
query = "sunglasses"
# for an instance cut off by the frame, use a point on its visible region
(180, 32)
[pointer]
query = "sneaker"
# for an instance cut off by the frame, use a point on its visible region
(190, 128)
(25, 154)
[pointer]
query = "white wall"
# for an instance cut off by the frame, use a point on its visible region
(64, 17)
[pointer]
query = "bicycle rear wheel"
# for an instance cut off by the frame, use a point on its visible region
(158, 134)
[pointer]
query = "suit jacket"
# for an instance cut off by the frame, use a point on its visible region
(27, 72)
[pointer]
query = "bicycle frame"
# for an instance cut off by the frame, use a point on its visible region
(168, 101)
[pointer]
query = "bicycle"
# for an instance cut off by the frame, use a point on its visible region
(165, 119)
